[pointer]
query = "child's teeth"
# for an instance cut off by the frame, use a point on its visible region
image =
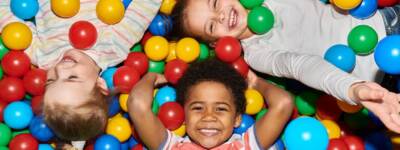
(208, 130)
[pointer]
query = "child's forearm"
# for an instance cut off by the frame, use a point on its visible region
(140, 98)
(274, 96)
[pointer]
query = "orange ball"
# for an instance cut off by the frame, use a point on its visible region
(347, 107)
(16, 36)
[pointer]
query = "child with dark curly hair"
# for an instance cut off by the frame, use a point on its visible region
(212, 95)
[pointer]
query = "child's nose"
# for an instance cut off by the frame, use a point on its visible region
(209, 116)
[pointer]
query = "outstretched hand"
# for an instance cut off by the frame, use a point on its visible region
(383, 103)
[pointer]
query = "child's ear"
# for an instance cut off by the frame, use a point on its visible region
(238, 120)
(101, 83)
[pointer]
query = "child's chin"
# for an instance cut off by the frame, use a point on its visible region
(210, 144)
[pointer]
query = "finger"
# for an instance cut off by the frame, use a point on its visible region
(389, 123)
(367, 93)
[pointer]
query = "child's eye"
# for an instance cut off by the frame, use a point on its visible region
(222, 109)
(197, 108)
(72, 77)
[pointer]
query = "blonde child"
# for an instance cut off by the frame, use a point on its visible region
(212, 96)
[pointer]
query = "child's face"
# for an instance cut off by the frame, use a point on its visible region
(212, 19)
(210, 114)
(71, 81)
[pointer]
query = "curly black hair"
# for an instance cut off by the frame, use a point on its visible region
(215, 71)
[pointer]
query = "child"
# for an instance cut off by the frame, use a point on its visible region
(212, 95)
(74, 104)
(294, 48)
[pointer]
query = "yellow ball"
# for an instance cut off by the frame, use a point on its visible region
(16, 36)
(347, 4)
(254, 101)
(181, 131)
(187, 49)
(156, 48)
(332, 128)
(172, 52)
(65, 8)
(123, 102)
(120, 128)
(167, 6)
(110, 11)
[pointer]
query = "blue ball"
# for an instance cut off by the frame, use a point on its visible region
(247, 122)
(377, 141)
(125, 146)
(366, 9)
(161, 25)
(108, 75)
(132, 142)
(306, 133)
(18, 115)
(387, 54)
(341, 56)
(45, 147)
(279, 144)
(165, 94)
(24, 9)
(39, 129)
(114, 107)
(375, 120)
(107, 142)
(126, 3)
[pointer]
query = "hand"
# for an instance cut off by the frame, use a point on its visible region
(252, 79)
(160, 79)
(383, 103)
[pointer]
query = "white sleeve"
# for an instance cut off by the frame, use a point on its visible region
(312, 70)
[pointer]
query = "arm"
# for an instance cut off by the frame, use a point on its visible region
(139, 107)
(280, 109)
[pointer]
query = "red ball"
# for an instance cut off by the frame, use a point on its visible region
(139, 61)
(24, 142)
(337, 144)
(138, 147)
(295, 113)
(171, 115)
(89, 147)
(228, 49)
(36, 104)
(11, 89)
(241, 66)
(327, 109)
(174, 70)
(387, 3)
(35, 81)
(125, 78)
(16, 63)
(82, 35)
(2, 107)
(353, 142)
(146, 36)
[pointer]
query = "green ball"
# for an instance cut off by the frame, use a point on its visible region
(5, 134)
(155, 107)
(28, 97)
(1, 72)
(261, 113)
(357, 120)
(280, 82)
(249, 4)
(260, 20)
(156, 66)
(362, 39)
(204, 52)
(3, 49)
(305, 102)
(212, 54)
(3, 148)
(137, 48)
(15, 133)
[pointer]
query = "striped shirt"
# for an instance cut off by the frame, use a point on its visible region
(50, 34)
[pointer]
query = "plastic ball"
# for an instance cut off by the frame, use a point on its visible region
(172, 51)
(377, 141)
(15, 133)
(156, 48)
(254, 101)
(108, 76)
(18, 115)
(3, 49)
(332, 128)
(354, 142)
(137, 60)
(174, 70)
(107, 142)
(65, 8)
(34, 81)
(24, 9)
(260, 20)
(125, 78)
(347, 4)
(204, 52)
(45, 147)
(155, 107)
(165, 94)
(228, 49)
(156, 66)
(24, 142)
(357, 120)
(261, 114)
(327, 109)
(145, 38)
(387, 54)
(366, 9)
(387, 3)
(171, 114)
(345, 107)
(362, 39)
(2, 107)
(113, 107)
(305, 102)
(137, 48)
(5, 134)
(247, 122)
(241, 67)
(249, 4)
(16, 63)
(342, 57)
(120, 128)
(306, 133)
(187, 49)
(40, 130)
(167, 6)
(161, 25)
(138, 147)
(11, 89)
(110, 11)
(82, 35)
(126, 3)
(337, 144)
(181, 131)
(16, 36)
(123, 101)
